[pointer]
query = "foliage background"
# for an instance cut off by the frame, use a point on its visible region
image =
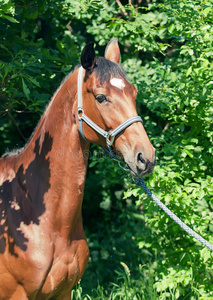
(137, 252)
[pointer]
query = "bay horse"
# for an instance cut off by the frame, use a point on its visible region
(43, 248)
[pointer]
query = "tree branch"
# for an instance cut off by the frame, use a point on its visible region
(122, 7)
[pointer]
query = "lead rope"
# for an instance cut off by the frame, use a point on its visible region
(140, 182)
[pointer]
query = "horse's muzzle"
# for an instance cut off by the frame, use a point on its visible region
(143, 166)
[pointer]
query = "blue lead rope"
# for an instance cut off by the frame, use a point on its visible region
(140, 182)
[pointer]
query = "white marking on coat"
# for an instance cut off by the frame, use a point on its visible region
(117, 82)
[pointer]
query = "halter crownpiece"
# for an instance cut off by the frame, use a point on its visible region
(108, 135)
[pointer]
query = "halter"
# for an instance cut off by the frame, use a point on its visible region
(108, 135)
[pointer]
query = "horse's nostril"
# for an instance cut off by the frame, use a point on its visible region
(140, 158)
(143, 165)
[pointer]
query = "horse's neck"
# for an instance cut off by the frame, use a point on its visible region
(60, 163)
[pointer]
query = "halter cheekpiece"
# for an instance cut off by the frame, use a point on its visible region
(108, 135)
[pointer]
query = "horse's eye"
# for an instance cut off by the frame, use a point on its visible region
(101, 98)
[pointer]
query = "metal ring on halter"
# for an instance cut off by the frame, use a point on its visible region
(109, 139)
(80, 111)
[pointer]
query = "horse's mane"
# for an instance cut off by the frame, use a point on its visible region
(13, 152)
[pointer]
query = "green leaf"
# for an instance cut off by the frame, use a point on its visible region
(189, 71)
(92, 164)
(173, 76)
(205, 254)
(25, 89)
(207, 10)
(9, 18)
(34, 81)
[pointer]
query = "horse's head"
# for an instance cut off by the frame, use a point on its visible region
(107, 99)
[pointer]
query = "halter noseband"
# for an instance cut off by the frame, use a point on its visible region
(108, 135)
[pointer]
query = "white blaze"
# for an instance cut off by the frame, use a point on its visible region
(117, 82)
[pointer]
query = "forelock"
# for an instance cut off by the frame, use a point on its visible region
(106, 69)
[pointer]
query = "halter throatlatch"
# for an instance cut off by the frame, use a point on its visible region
(108, 135)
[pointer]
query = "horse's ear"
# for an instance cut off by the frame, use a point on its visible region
(88, 59)
(112, 51)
